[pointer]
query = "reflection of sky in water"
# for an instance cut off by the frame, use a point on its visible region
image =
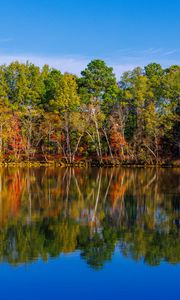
(69, 277)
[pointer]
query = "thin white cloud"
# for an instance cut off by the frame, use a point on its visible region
(66, 64)
(131, 58)
(125, 61)
(170, 52)
(119, 69)
(143, 54)
(74, 64)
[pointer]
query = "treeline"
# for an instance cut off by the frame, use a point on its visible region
(46, 115)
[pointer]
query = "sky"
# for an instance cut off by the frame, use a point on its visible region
(68, 34)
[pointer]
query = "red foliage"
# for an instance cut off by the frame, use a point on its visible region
(117, 140)
(16, 141)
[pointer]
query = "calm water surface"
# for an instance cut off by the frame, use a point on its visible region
(89, 234)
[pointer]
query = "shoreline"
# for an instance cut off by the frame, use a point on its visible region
(89, 164)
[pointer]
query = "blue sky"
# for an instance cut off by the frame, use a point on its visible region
(69, 33)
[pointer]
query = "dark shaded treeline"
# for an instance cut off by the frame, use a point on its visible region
(46, 115)
(46, 212)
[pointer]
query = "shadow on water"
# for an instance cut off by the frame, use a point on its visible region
(48, 211)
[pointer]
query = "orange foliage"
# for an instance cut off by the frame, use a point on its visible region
(16, 142)
(117, 140)
(117, 191)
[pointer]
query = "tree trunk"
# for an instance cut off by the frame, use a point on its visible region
(98, 137)
(69, 153)
(76, 148)
(97, 148)
(1, 141)
(109, 146)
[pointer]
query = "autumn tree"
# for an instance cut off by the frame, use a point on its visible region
(66, 101)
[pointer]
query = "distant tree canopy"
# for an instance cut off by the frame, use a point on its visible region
(60, 115)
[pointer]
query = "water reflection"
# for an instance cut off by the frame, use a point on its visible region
(48, 211)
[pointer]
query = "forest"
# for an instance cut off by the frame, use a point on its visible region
(48, 116)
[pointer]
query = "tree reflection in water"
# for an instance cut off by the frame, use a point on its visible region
(48, 211)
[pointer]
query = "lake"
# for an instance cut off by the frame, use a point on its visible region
(108, 233)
